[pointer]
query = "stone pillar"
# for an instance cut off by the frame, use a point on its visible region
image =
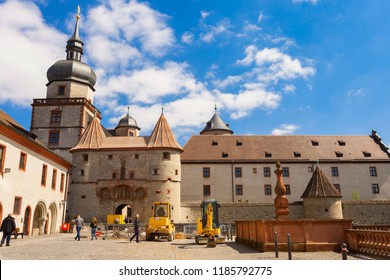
(41, 225)
(281, 201)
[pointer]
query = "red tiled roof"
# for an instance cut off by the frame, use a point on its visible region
(274, 148)
(162, 136)
(92, 138)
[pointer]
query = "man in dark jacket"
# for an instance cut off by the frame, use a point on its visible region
(136, 229)
(7, 227)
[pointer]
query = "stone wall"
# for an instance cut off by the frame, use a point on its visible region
(361, 212)
(367, 212)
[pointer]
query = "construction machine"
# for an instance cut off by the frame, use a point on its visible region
(161, 223)
(208, 228)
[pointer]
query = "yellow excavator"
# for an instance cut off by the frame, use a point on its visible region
(208, 228)
(161, 223)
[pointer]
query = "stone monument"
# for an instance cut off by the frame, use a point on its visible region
(281, 201)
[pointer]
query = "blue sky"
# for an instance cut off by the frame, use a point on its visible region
(305, 67)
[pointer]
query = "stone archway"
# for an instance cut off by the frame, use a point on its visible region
(27, 220)
(39, 219)
(125, 210)
(53, 218)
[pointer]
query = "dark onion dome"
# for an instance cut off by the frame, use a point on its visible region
(72, 69)
(128, 121)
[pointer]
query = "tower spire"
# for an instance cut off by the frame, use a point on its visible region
(74, 47)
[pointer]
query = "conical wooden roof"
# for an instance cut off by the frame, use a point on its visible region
(162, 136)
(320, 186)
(92, 138)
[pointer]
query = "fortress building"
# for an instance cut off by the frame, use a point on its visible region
(120, 171)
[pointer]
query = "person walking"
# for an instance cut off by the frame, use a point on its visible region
(7, 227)
(93, 226)
(136, 229)
(79, 222)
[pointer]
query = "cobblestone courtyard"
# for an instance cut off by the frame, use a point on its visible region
(64, 247)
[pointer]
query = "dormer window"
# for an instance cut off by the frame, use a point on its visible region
(341, 143)
(268, 155)
(225, 155)
(339, 154)
(366, 154)
(214, 143)
(315, 143)
(238, 143)
(297, 154)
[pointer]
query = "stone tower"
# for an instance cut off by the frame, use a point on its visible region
(124, 174)
(321, 199)
(61, 118)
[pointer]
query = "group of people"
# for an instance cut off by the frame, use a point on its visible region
(79, 222)
(8, 226)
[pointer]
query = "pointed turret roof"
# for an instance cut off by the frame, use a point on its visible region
(320, 186)
(92, 138)
(162, 136)
(216, 125)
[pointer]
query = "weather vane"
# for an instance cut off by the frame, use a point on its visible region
(78, 12)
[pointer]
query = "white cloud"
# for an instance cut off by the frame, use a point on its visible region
(354, 94)
(127, 24)
(284, 42)
(187, 38)
(29, 47)
(204, 14)
(250, 27)
(251, 97)
(285, 129)
(107, 53)
(212, 31)
(149, 84)
(288, 88)
(261, 17)
(230, 80)
(272, 65)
